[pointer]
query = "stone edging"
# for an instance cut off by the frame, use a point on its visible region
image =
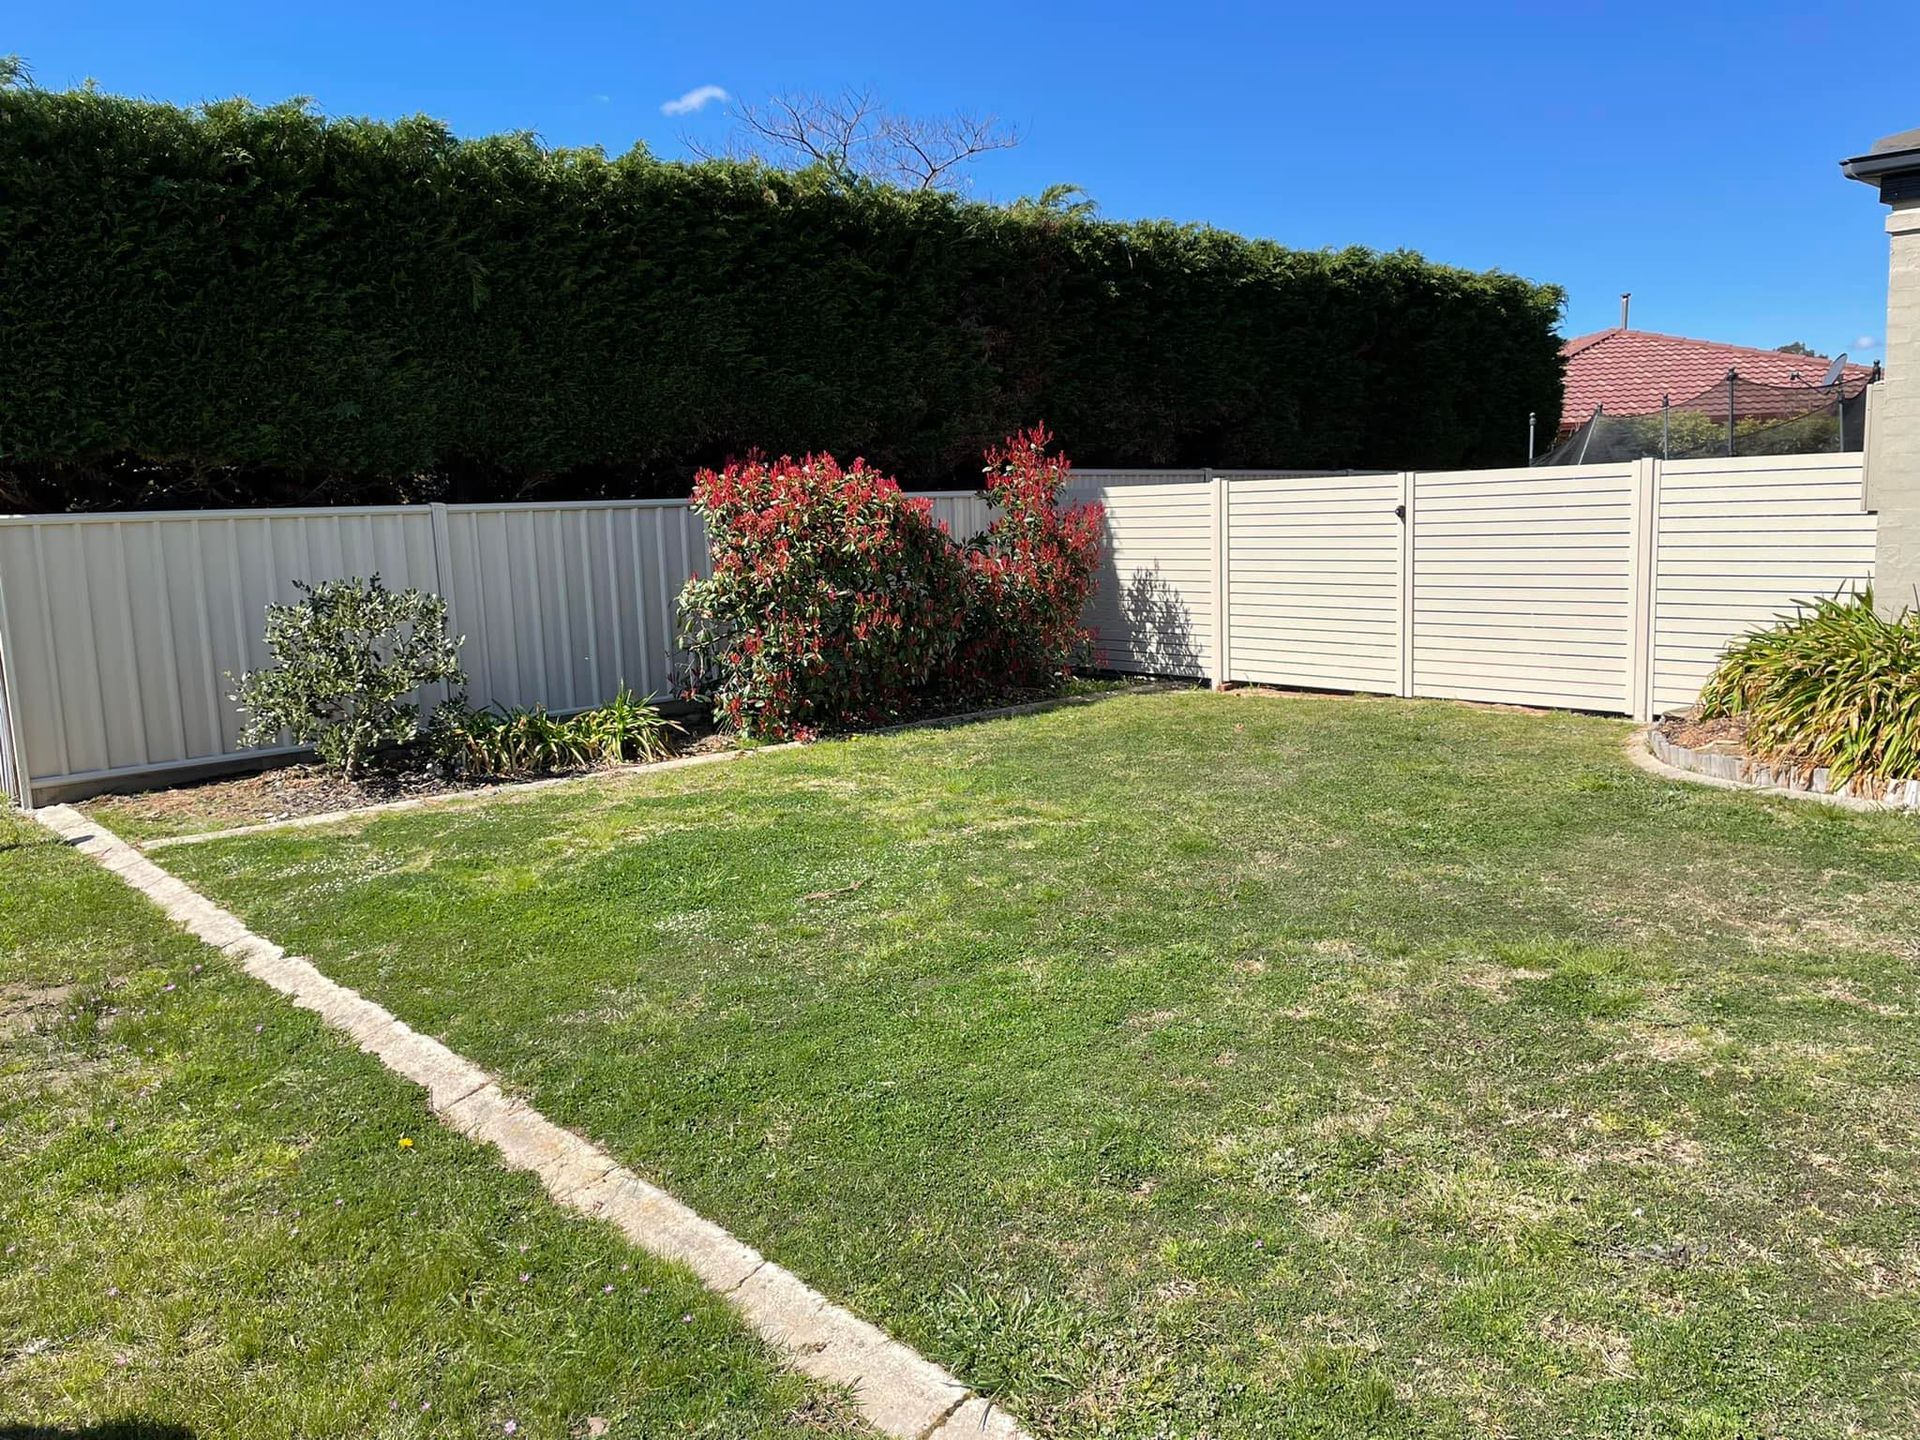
(1654, 752)
(898, 1391)
(679, 762)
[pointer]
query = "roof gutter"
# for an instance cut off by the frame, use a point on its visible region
(1893, 165)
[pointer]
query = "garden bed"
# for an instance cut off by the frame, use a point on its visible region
(1716, 747)
(304, 789)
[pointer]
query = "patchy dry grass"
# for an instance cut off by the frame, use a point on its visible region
(208, 1226)
(1214, 1066)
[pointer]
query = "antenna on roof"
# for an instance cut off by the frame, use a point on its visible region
(1626, 301)
(1835, 371)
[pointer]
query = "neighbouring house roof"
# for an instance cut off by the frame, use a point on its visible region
(1630, 370)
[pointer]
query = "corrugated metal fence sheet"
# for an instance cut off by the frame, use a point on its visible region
(118, 632)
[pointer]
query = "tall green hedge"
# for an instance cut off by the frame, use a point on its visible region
(245, 305)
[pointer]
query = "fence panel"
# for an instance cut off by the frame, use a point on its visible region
(1736, 544)
(120, 630)
(563, 604)
(1523, 586)
(1313, 575)
(1153, 611)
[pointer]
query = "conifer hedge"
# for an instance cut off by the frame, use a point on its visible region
(242, 305)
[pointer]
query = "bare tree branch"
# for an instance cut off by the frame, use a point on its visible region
(853, 133)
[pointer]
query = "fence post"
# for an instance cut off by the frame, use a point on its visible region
(1222, 579)
(1406, 583)
(1644, 606)
(13, 737)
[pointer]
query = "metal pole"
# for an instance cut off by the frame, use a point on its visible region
(1666, 420)
(1732, 375)
(1530, 420)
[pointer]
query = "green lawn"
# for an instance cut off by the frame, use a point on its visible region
(209, 1228)
(1190, 1064)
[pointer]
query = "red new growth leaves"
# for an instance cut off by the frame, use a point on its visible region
(1034, 568)
(835, 601)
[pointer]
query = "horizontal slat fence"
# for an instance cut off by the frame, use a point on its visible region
(1610, 588)
(1313, 571)
(1731, 540)
(1523, 585)
(1153, 610)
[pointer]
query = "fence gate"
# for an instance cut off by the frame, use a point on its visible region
(1527, 586)
(1312, 572)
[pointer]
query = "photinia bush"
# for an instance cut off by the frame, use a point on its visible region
(834, 598)
(835, 601)
(1033, 571)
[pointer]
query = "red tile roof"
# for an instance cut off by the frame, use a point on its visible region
(1631, 369)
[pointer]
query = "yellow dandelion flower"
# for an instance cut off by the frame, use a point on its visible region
(406, 1143)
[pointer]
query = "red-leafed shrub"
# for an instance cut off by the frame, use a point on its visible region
(835, 601)
(834, 598)
(1033, 570)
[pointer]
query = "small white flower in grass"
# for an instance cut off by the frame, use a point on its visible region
(525, 1277)
(686, 1319)
(511, 1426)
(606, 1289)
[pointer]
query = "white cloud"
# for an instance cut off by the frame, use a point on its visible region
(696, 99)
(1866, 342)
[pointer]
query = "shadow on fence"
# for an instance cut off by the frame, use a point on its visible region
(1158, 627)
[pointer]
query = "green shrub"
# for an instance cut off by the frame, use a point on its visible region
(501, 741)
(348, 658)
(236, 305)
(1835, 686)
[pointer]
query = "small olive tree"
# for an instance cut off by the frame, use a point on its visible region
(348, 658)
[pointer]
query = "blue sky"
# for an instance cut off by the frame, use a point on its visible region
(1684, 152)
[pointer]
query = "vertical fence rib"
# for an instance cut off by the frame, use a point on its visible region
(1407, 499)
(1639, 697)
(1222, 596)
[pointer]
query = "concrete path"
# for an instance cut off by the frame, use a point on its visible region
(899, 1392)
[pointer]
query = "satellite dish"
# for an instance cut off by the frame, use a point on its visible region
(1835, 371)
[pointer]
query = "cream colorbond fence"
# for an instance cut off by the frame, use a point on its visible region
(1731, 538)
(1609, 587)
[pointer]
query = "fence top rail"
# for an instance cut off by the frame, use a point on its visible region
(355, 512)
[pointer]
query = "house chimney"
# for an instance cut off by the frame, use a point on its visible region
(1626, 299)
(1893, 434)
